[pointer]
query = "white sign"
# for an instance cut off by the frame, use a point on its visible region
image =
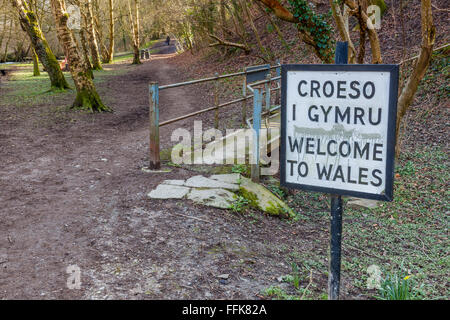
(338, 129)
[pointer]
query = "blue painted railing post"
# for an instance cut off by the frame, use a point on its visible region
(278, 70)
(244, 103)
(267, 88)
(257, 109)
(334, 274)
(155, 162)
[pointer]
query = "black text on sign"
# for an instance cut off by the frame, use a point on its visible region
(338, 129)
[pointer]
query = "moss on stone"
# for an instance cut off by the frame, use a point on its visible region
(250, 196)
(263, 199)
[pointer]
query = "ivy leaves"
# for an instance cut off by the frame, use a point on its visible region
(316, 26)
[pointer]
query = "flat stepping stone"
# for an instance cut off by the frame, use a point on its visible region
(221, 191)
(219, 198)
(234, 178)
(174, 182)
(165, 191)
(203, 182)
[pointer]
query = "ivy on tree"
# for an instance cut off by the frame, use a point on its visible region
(316, 26)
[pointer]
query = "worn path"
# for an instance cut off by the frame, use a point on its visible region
(75, 194)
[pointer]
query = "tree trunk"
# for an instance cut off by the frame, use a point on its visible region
(135, 30)
(87, 96)
(2, 35)
(124, 34)
(372, 33)
(30, 25)
(263, 50)
(84, 48)
(5, 54)
(342, 25)
(95, 54)
(36, 71)
(275, 26)
(409, 90)
(110, 52)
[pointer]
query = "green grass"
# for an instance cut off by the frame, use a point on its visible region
(25, 90)
(395, 287)
(123, 58)
(301, 281)
(408, 236)
(240, 204)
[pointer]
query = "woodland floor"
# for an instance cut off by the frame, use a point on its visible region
(72, 192)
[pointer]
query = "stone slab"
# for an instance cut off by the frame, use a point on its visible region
(234, 178)
(165, 191)
(203, 182)
(219, 198)
(262, 198)
(174, 182)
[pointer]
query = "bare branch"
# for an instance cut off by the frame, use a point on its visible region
(228, 43)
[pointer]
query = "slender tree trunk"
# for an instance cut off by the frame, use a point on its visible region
(124, 34)
(36, 71)
(135, 30)
(238, 23)
(342, 25)
(99, 31)
(95, 54)
(275, 26)
(2, 35)
(263, 50)
(371, 32)
(409, 90)
(30, 25)
(110, 52)
(5, 54)
(87, 96)
(84, 48)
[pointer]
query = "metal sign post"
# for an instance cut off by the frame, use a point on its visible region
(338, 136)
(334, 269)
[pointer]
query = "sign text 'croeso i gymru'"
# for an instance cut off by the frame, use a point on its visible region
(338, 128)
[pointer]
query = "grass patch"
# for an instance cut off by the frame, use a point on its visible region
(408, 236)
(26, 90)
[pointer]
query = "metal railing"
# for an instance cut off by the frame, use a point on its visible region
(253, 77)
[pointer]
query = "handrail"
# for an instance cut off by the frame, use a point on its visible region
(180, 84)
(210, 109)
(262, 82)
(154, 88)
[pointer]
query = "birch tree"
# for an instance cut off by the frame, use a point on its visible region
(110, 52)
(87, 96)
(135, 29)
(92, 38)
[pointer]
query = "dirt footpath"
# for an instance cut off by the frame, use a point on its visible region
(76, 195)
